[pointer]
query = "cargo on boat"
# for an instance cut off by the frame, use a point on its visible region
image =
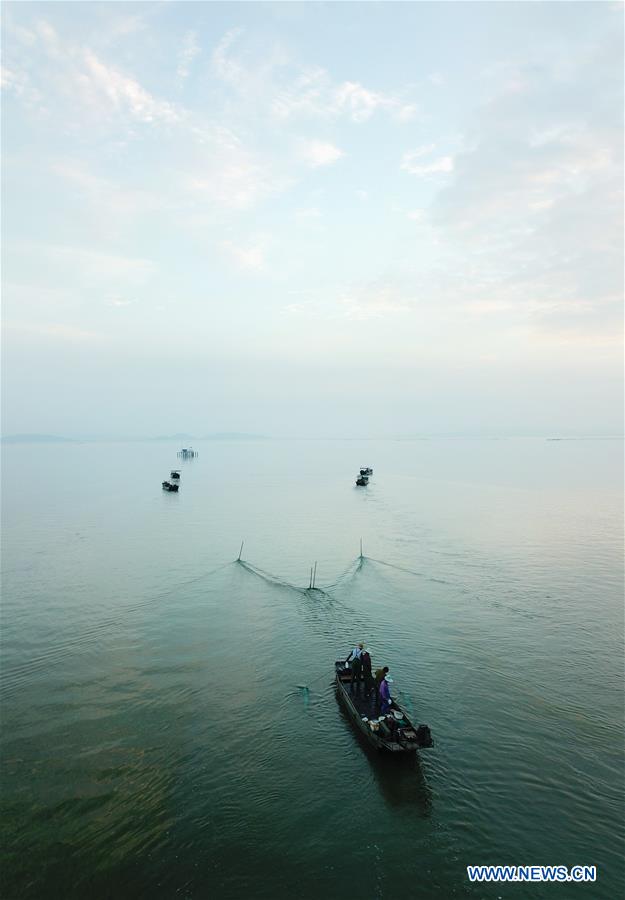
(392, 732)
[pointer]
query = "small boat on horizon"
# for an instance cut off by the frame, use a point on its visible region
(168, 486)
(175, 473)
(392, 732)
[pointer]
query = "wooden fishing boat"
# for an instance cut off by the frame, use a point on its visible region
(175, 473)
(391, 733)
(362, 480)
(167, 486)
(366, 471)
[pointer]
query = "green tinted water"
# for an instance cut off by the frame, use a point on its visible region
(155, 742)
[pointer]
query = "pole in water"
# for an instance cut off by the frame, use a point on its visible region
(310, 582)
(314, 578)
(240, 551)
(361, 548)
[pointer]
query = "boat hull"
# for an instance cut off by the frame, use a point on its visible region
(361, 711)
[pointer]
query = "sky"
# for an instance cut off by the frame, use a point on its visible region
(312, 219)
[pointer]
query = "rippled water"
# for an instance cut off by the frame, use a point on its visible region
(155, 742)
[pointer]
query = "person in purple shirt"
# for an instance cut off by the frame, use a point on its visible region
(385, 695)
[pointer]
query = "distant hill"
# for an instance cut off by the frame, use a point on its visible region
(234, 436)
(179, 437)
(216, 436)
(35, 439)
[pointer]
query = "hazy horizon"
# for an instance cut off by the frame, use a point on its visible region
(312, 219)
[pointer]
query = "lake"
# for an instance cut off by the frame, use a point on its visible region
(157, 742)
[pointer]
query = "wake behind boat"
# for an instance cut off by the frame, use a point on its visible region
(392, 732)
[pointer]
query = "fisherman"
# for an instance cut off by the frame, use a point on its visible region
(356, 665)
(384, 693)
(380, 674)
(365, 661)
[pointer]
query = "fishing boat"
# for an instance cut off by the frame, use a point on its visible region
(168, 486)
(390, 733)
(175, 473)
(362, 480)
(366, 471)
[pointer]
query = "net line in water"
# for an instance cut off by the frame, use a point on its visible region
(352, 570)
(345, 577)
(90, 637)
(282, 582)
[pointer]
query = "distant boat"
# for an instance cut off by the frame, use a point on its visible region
(393, 732)
(366, 471)
(362, 480)
(168, 486)
(175, 473)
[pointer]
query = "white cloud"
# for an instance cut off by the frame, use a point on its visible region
(122, 93)
(320, 153)
(314, 94)
(290, 89)
(308, 213)
(362, 301)
(412, 162)
(190, 49)
(224, 64)
(75, 73)
(251, 256)
(376, 300)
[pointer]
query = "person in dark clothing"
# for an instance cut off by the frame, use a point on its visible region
(365, 661)
(380, 675)
(356, 664)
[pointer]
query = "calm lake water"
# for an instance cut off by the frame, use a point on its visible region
(155, 742)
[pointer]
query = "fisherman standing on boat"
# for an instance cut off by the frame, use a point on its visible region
(385, 695)
(356, 665)
(365, 661)
(380, 675)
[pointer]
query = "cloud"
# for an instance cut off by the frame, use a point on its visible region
(106, 197)
(320, 153)
(122, 93)
(411, 162)
(535, 197)
(190, 49)
(90, 96)
(361, 301)
(375, 300)
(225, 66)
(251, 256)
(222, 169)
(289, 89)
(313, 94)
(307, 214)
(77, 74)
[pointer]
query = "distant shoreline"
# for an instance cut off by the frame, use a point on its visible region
(245, 437)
